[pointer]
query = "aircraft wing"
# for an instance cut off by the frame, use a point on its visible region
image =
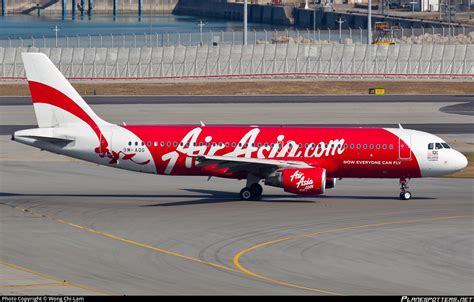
(254, 165)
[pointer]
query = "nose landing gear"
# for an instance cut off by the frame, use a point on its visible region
(404, 194)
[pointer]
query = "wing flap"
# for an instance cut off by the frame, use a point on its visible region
(238, 164)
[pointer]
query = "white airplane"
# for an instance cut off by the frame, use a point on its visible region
(301, 160)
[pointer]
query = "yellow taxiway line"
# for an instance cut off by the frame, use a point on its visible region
(236, 260)
(237, 256)
(34, 285)
(60, 281)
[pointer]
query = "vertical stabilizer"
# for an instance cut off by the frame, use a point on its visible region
(55, 101)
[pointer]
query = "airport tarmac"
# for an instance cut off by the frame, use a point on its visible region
(125, 233)
(108, 231)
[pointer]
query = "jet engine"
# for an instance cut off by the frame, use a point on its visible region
(304, 181)
(330, 183)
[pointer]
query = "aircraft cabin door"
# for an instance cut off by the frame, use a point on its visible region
(404, 147)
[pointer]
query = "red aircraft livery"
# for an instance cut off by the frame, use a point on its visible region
(301, 160)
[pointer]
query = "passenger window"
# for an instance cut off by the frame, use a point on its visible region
(149, 144)
(352, 146)
(129, 143)
(430, 146)
(438, 146)
(155, 144)
(176, 144)
(358, 146)
(136, 143)
(390, 147)
(168, 144)
(377, 146)
(365, 146)
(384, 146)
(371, 146)
(162, 144)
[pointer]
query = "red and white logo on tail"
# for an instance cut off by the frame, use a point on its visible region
(59, 106)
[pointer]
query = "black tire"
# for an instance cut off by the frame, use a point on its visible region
(246, 194)
(405, 195)
(256, 190)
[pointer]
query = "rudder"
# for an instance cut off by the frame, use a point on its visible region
(52, 94)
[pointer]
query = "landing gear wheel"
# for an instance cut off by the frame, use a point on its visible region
(405, 195)
(246, 194)
(256, 190)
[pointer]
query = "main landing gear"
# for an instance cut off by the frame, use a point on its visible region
(253, 190)
(404, 194)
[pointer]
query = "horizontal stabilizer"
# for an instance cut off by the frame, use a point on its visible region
(43, 134)
(49, 139)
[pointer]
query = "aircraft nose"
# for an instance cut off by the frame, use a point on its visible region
(460, 162)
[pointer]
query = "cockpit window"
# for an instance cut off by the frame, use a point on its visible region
(446, 145)
(430, 146)
(438, 146)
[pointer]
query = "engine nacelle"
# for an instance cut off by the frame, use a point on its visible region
(330, 183)
(305, 181)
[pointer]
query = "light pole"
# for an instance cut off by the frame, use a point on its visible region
(56, 29)
(439, 8)
(449, 12)
(369, 23)
(314, 18)
(245, 22)
(340, 21)
(413, 6)
(201, 25)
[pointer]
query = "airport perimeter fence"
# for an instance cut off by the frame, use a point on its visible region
(226, 61)
(446, 35)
